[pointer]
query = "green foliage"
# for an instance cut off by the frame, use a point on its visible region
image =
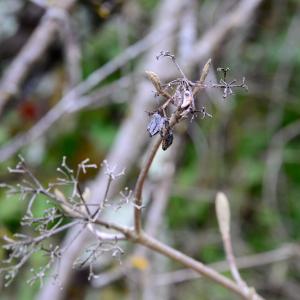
(148, 4)
(211, 253)
(102, 47)
(185, 213)
(11, 209)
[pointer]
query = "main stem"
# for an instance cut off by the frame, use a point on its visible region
(139, 188)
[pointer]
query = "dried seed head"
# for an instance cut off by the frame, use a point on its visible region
(167, 140)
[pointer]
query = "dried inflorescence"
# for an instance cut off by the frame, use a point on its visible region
(73, 205)
(228, 87)
(179, 100)
(95, 251)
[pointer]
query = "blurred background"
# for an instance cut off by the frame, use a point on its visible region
(73, 84)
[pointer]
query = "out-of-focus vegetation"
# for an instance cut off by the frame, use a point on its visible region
(235, 151)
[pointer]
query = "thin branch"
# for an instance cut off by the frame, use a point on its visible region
(47, 235)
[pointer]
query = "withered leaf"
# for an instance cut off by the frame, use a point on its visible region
(156, 124)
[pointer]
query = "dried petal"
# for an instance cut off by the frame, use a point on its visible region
(187, 99)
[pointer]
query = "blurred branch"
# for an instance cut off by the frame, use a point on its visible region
(283, 75)
(72, 53)
(230, 21)
(34, 49)
(73, 96)
(274, 160)
(285, 252)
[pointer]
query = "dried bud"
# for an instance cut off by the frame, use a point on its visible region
(154, 79)
(205, 71)
(223, 214)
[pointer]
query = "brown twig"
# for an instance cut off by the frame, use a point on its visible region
(139, 187)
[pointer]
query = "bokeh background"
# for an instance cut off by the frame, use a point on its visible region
(249, 148)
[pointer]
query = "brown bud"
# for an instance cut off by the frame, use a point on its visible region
(154, 79)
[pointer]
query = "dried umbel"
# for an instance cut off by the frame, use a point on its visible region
(229, 86)
(69, 209)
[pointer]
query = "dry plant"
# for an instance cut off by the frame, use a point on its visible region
(72, 205)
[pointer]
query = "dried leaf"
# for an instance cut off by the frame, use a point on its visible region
(156, 124)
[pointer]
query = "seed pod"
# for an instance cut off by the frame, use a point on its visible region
(167, 140)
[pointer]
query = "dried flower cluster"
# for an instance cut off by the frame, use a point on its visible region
(67, 211)
(179, 95)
